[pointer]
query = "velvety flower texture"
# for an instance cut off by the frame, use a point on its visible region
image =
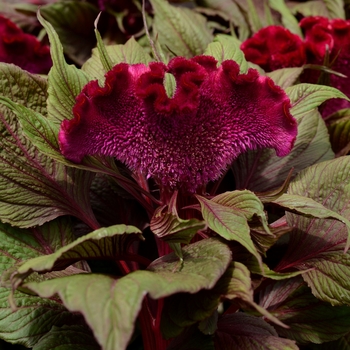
(274, 47)
(187, 140)
(23, 50)
(322, 34)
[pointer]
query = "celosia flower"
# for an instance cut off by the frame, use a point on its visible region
(23, 50)
(274, 47)
(322, 35)
(182, 141)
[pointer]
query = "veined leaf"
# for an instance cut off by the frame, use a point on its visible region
(131, 52)
(262, 170)
(285, 77)
(339, 132)
(230, 11)
(309, 207)
(104, 243)
(319, 244)
(325, 8)
(309, 319)
(288, 20)
(74, 23)
(228, 216)
(172, 228)
(111, 306)
(182, 30)
(65, 81)
(182, 310)
(65, 336)
(35, 316)
(225, 47)
(32, 319)
(242, 332)
(33, 187)
(305, 97)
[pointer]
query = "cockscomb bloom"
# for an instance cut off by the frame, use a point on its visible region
(325, 36)
(23, 50)
(274, 47)
(186, 140)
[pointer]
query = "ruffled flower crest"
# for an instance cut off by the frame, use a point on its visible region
(186, 140)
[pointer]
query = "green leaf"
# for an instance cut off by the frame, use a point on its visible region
(309, 207)
(173, 229)
(240, 331)
(182, 30)
(34, 316)
(325, 8)
(74, 23)
(319, 244)
(262, 170)
(339, 132)
(65, 81)
(285, 77)
(182, 310)
(228, 220)
(305, 97)
(66, 337)
(288, 20)
(34, 188)
(253, 16)
(111, 306)
(335, 8)
(106, 242)
(131, 52)
(225, 47)
(342, 343)
(309, 319)
(230, 11)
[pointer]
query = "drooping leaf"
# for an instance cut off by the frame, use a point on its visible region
(262, 170)
(111, 306)
(74, 23)
(229, 220)
(288, 20)
(285, 77)
(131, 52)
(64, 337)
(319, 244)
(225, 47)
(182, 30)
(309, 319)
(342, 343)
(245, 332)
(104, 243)
(65, 81)
(339, 132)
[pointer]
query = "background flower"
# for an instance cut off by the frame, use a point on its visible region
(325, 36)
(274, 47)
(23, 50)
(189, 139)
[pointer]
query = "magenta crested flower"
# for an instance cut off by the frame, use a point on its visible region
(186, 140)
(274, 47)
